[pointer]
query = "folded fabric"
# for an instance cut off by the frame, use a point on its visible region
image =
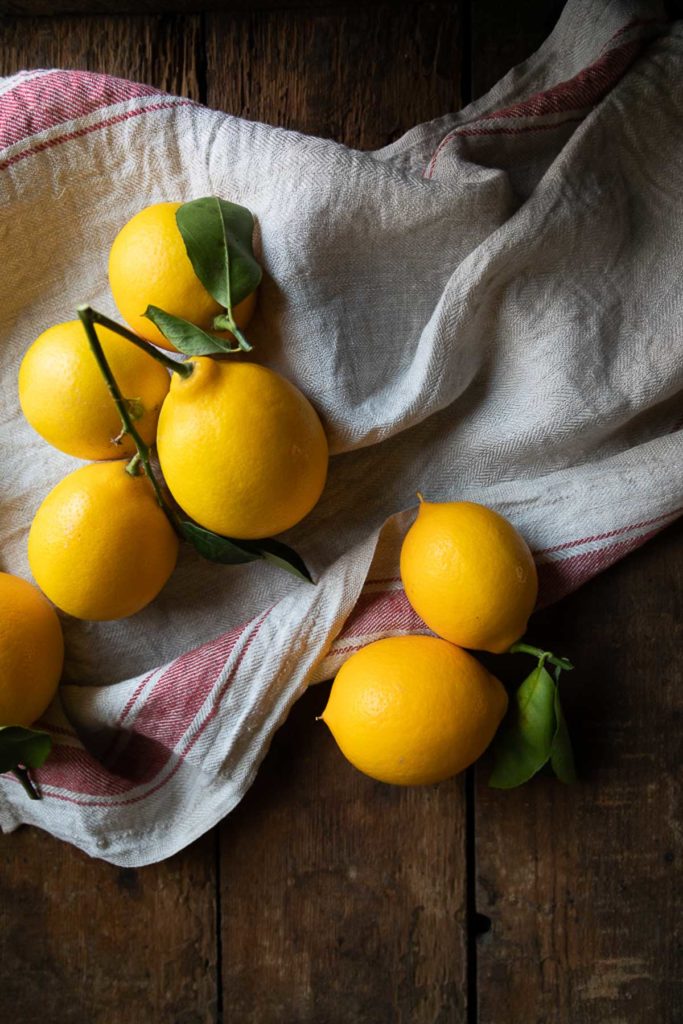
(488, 309)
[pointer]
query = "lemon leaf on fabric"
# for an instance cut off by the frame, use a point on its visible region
(20, 749)
(187, 338)
(214, 547)
(217, 548)
(28, 747)
(284, 557)
(218, 239)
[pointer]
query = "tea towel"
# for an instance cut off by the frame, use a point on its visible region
(488, 309)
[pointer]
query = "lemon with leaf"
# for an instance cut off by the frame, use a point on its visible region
(152, 268)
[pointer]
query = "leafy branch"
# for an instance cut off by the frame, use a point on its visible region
(218, 241)
(210, 545)
(534, 732)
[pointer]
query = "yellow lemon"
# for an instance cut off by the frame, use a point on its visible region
(100, 547)
(149, 266)
(65, 399)
(242, 450)
(31, 652)
(469, 574)
(413, 710)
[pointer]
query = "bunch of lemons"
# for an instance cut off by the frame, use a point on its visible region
(242, 450)
(417, 709)
(243, 453)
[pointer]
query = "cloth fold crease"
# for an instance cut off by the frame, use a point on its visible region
(487, 309)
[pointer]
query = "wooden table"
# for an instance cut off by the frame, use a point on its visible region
(326, 898)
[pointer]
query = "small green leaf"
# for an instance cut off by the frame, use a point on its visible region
(20, 749)
(187, 337)
(524, 744)
(235, 552)
(215, 547)
(20, 746)
(561, 754)
(218, 239)
(284, 557)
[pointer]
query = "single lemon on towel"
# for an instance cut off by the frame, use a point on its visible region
(31, 652)
(149, 266)
(469, 574)
(65, 399)
(242, 450)
(412, 710)
(100, 547)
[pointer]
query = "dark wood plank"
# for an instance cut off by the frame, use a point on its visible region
(361, 76)
(343, 900)
(580, 883)
(503, 35)
(54, 7)
(81, 940)
(161, 51)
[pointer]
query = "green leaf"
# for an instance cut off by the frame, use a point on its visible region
(283, 557)
(523, 746)
(187, 337)
(561, 754)
(20, 746)
(215, 547)
(235, 552)
(218, 239)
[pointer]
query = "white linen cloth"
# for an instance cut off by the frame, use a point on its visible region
(488, 309)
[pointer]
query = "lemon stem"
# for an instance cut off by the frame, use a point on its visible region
(183, 369)
(133, 467)
(225, 322)
(542, 656)
(143, 452)
(26, 781)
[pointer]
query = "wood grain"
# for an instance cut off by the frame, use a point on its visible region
(503, 35)
(343, 900)
(160, 51)
(82, 941)
(575, 886)
(89, 7)
(361, 76)
(580, 882)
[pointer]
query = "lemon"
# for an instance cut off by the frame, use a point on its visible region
(149, 266)
(100, 547)
(242, 450)
(469, 575)
(31, 652)
(413, 710)
(65, 399)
